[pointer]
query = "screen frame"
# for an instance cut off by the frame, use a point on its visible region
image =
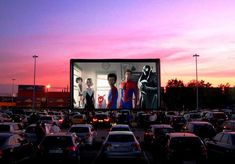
(152, 60)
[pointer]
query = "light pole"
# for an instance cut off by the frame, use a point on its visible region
(12, 90)
(34, 77)
(196, 55)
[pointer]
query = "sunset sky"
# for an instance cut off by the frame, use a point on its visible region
(58, 30)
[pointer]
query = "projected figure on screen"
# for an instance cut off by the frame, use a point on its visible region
(113, 92)
(80, 94)
(147, 85)
(128, 89)
(88, 95)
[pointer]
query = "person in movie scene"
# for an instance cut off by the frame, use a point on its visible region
(80, 94)
(113, 92)
(128, 89)
(88, 95)
(147, 85)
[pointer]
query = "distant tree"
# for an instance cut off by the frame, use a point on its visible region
(227, 85)
(175, 83)
(201, 84)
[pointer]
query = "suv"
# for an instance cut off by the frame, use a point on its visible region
(185, 147)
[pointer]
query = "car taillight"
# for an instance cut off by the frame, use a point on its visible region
(107, 146)
(61, 121)
(106, 119)
(88, 134)
(71, 148)
(94, 119)
(1, 153)
(203, 150)
(136, 146)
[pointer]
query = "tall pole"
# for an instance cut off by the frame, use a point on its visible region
(196, 55)
(34, 78)
(12, 90)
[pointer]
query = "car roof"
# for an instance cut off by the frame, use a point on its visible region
(181, 134)
(161, 126)
(60, 134)
(121, 125)
(199, 122)
(6, 134)
(121, 132)
(9, 123)
(81, 125)
(229, 132)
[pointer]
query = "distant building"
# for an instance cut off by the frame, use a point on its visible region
(43, 98)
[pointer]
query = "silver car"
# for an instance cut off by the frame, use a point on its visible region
(121, 144)
(85, 132)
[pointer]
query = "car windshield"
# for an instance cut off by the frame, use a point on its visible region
(121, 138)
(79, 130)
(195, 115)
(4, 128)
(57, 141)
(101, 116)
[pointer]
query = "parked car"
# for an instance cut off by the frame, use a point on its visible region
(11, 127)
(59, 147)
(14, 148)
(30, 132)
(102, 120)
(85, 132)
(228, 125)
(155, 135)
(222, 146)
(202, 129)
(121, 145)
(185, 147)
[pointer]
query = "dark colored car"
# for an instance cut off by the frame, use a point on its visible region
(155, 135)
(222, 146)
(185, 147)
(61, 147)
(14, 148)
(101, 120)
(178, 122)
(202, 129)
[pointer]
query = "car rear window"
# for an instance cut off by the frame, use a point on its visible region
(219, 115)
(57, 141)
(3, 139)
(233, 139)
(30, 130)
(78, 117)
(120, 129)
(46, 118)
(185, 142)
(79, 130)
(4, 128)
(158, 131)
(121, 138)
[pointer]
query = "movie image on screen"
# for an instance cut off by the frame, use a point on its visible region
(115, 84)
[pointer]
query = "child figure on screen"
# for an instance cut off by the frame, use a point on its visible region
(113, 92)
(88, 95)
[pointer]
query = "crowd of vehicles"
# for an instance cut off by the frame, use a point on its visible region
(173, 135)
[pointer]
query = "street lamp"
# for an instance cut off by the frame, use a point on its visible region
(12, 90)
(34, 77)
(196, 55)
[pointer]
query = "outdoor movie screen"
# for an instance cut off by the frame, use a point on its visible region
(115, 83)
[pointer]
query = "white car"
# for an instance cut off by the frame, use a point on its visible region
(121, 144)
(120, 127)
(85, 132)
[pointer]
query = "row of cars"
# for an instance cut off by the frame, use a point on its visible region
(198, 142)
